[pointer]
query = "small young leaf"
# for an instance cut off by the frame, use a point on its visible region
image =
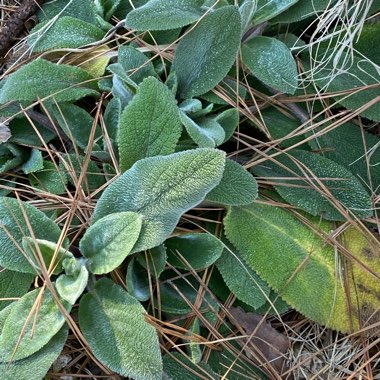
(13, 227)
(237, 186)
(205, 55)
(66, 32)
(342, 184)
(271, 61)
(137, 281)
(161, 189)
(110, 240)
(34, 163)
(267, 9)
(243, 282)
(135, 63)
(149, 125)
(71, 285)
(13, 285)
(200, 250)
(206, 132)
(34, 335)
(298, 264)
(113, 324)
(41, 78)
(228, 120)
(11, 156)
(37, 364)
(164, 14)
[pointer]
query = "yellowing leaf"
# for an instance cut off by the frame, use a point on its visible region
(304, 269)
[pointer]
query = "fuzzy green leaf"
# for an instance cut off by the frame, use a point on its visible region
(271, 61)
(164, 14)
(154, 260)
(267, 9)
(228, 120)
(136, 64)
(34, 247)
(149, 125)
(13, 227)
(303, 268)
(34, 163)
(37, 364)
(243, 282)
(34, 335)
(49, 179)
(247, 10)
(40, 79)
(200, 250)
(161, 189)
(342, 184)
(113, 323)
(71, 285)
(237, 187)
(137, 281)
(110, 240)
(13, 285)
(206, 132)
(66, 32)
(205, 55)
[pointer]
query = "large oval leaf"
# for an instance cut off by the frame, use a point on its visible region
(13, 227)
(110, 240)
(24, 332)
(164, 14)
(204, 55)
(161, 189)
(149, 125)
(271, 61)
(113, 324)
(296, 186)
(298, 264)
(41, 78)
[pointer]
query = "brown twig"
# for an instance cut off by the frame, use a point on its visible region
(15, 24)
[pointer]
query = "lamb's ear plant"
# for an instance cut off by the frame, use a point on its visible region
(168, 166)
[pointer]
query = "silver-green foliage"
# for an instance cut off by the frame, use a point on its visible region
(149, 125)
(161, 189)
(205, 55)
(164, 14)
(272, 62)
(113, 324)
(14, 215)
(267, 9)
(40, 78)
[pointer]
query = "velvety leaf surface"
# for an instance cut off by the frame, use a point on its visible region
(237, 186)
(200, 250)
(34, 163)
(161, 189)
(267, 9)
(35, 335)
(137, 281)
(299, 265)
(135, 63)
(40, 78)
(341, 183)
(243, 282)
(37, 364)
(49, 179)
(204, 55)
(13, 228)
(66, 32)
(113, 323)
(164, 14)
(149, 125)
(13, 285)
(110, 240)
(206, 133)
(247, 10)
(271, 61)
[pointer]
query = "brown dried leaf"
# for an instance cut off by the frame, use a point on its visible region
(266, 343)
